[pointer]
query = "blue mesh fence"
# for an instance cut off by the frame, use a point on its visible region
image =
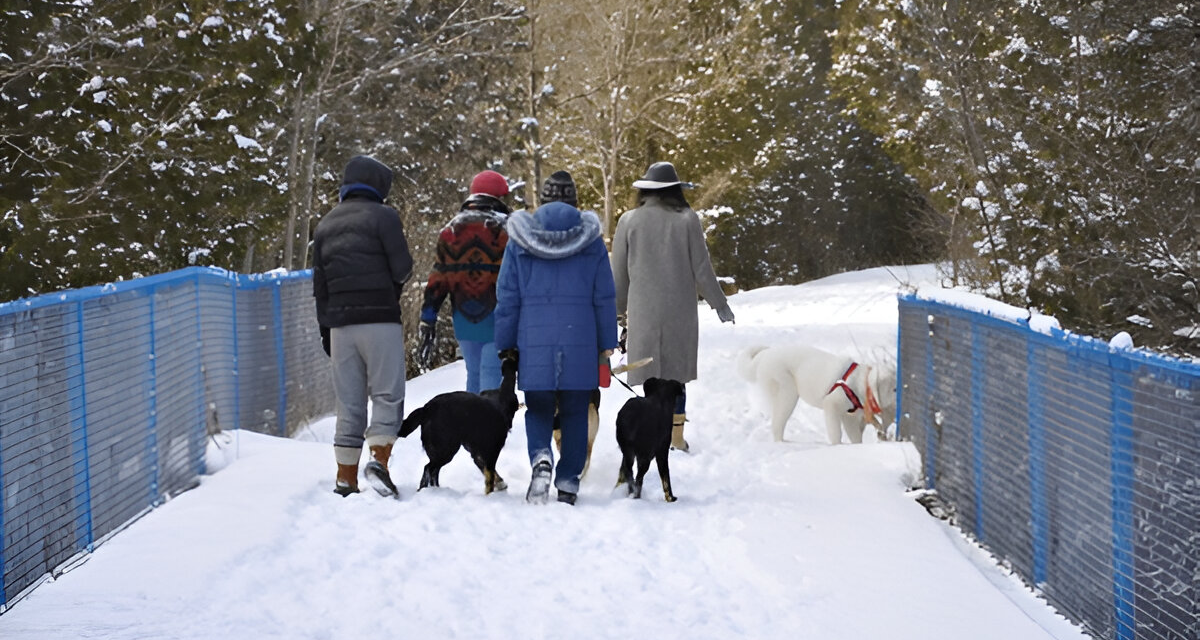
(107, 395)
(1076, 464)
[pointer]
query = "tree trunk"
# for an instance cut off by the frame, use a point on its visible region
(248, 259)
(614, 152)
(979, 158)
(292, 179)
(306, 211)
(535, 126)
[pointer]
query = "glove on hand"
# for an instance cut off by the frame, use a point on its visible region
(510, 354)
(427, 333)
(325, 341)
(623, 339)
(725, 313)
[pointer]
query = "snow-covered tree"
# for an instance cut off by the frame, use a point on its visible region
(132, 137)
(1057, 139)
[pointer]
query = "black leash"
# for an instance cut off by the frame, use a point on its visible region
(626, 372)
(626, 386)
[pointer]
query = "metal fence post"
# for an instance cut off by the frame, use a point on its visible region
(1121, 442)
(280, 360)
(82, 466)
(1037, 464)
(152, 432)
(977, 452)
(899, 381)
(931, 436)
(3, 591)
(237, 382)
(199, 391)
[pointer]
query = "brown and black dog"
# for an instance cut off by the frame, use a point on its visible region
(593, 418)
(478, 423)
(644, 433)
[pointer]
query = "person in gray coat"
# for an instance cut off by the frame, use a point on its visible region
(660, 262)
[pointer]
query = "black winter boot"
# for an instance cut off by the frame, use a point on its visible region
(566, 496)
(378, 478)
(377, 474)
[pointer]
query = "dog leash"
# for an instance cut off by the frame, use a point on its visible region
(626, 386)
(625, 368)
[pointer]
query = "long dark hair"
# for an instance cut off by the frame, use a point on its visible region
(671, 196)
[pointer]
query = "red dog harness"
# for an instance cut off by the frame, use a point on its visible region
(872, 405)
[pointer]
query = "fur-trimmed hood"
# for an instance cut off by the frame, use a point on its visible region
(555, 230)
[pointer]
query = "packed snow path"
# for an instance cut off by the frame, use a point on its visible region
(768, 540)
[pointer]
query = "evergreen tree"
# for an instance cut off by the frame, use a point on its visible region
(135, 150)
(804, 191)
(1053, 137)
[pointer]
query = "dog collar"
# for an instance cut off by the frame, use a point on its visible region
(850, 395)
(871, 408)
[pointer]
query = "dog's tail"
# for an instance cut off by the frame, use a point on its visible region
(745, 361)
(414, 420)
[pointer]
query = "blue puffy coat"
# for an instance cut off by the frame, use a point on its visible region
(555, 298)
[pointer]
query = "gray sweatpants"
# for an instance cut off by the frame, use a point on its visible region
(368, 361)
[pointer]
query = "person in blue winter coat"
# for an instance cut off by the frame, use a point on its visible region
(556, 313)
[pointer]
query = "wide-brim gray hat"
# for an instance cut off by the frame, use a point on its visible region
(661, 175)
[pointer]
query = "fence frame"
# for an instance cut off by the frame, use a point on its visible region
(129, 379)
(1152, 400)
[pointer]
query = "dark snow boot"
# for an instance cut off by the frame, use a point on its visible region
(566, 496)
(539, 484)
(380, 481)
(377, 474)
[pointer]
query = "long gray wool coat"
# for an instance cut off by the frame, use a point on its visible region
(660, 264)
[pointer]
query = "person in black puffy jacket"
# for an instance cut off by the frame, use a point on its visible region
(360, 264)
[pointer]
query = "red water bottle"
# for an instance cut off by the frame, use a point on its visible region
(605, 372)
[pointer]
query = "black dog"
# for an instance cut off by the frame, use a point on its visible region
(478, 423)
(644, 432)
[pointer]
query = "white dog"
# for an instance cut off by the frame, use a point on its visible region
(850, 393)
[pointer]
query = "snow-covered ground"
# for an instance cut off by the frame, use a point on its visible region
(768, 540)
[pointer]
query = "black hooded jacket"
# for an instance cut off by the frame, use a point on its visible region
(360, 256)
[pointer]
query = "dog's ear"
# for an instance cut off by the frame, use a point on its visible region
(650, 386)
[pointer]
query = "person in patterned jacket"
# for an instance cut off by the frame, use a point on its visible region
(469, 251)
